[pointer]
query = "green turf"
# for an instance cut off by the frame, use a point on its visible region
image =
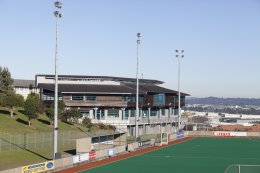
(201, 155)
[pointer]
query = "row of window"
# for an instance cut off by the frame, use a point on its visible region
(83, 98)
(115, 113)
(159, 99)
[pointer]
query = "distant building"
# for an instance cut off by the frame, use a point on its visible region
(112, 100)
(25, 87)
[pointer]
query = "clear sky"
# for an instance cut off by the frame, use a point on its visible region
(221, 39)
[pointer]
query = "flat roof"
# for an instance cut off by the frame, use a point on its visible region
(108, 89)
(120, 79)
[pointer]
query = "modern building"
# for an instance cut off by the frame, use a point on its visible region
(112, 100)
(25, 87)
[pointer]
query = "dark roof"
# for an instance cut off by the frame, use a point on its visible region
(81, 88)
(120, 79)
(23, 83)
(156, 89)
(109, 89)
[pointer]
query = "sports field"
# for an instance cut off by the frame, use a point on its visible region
(198, 155)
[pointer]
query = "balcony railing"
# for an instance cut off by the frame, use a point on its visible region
(141, 120)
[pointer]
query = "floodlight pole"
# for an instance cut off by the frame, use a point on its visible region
(137, 87)
(55, 133)
(179, 55)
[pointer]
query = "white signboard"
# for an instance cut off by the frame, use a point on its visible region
(226, 133)
(80, 158)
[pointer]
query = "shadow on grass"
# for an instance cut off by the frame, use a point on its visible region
(23, 148)
(21, 111)
(68, 123)
(44, 121)
(22, 121)
(46, 158)
(72, 152)
(4, 112)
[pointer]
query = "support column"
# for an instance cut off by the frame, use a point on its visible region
(123, 111)
(149, 115)
(95, 113)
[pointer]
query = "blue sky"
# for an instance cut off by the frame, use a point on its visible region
(221, 40)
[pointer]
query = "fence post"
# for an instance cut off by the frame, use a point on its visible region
(10, 140)
(63, 138)
(50, 138)
(19, 142)
(27, 141)
(69, 138)
(0, 142)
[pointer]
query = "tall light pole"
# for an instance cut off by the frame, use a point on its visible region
(58, 15)
(179, 55)
(137, 87)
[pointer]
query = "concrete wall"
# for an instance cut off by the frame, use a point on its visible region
(15, 170)
(83, 145)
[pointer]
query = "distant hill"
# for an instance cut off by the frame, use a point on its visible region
(223, 101)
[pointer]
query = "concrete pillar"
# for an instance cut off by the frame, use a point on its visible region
(120, 115)
(123, 113)
(91, 114)
(149, 115)
(95, 114)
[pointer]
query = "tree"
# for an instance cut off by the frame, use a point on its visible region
(6, 81)
(30, 109)
(12, 100)
(50, 114)
(50, 111)
(40, 108)
(73, 114)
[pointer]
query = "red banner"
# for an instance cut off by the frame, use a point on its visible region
(92, 155)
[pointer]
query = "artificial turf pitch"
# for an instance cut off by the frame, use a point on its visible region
(199, 155)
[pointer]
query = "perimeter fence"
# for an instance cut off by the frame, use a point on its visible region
(12, 142)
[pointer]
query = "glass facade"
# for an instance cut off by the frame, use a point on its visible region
(50, 96)
(159, 99)
(83, 98)
(113, 113)
(84, 113)
(90, 98)
(77, 97)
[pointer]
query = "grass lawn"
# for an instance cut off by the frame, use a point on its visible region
(18, 124)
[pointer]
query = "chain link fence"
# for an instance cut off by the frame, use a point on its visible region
(12, 142)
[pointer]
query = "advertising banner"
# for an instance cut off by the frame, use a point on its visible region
(179, 135)
(39, 167)
(80, 158)
(92, 155)
(226, 133)
(110, 152)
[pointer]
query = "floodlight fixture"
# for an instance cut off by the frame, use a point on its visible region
(58, 4)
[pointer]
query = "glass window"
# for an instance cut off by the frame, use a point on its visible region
(50, 96)
(77, 97)
(112, 113)
(84, 113)
(126, 114)
(91, 98)
(154, 113)
(159, 99)
(129, 98)
(132, 113)
(163, 112)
